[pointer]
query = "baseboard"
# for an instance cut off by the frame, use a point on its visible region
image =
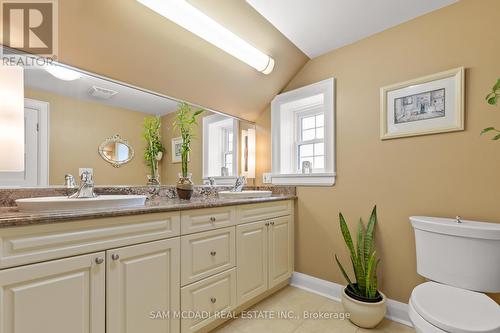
(396, 311)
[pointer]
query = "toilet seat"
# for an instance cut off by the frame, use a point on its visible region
(455, 310)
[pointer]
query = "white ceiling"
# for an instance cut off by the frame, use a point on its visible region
(126, 98)
(319, 26)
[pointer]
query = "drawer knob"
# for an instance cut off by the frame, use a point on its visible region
(99, 260)
(267, 224)
(213, 300)
(212, 219)
(115, 256)
(272, 223)
(213, 253)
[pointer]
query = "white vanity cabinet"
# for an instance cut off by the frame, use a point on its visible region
(54, 296)
(265, 255)
(141, 280)
(142, 273)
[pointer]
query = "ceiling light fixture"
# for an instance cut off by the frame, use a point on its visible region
(62, 73)
(194, 20)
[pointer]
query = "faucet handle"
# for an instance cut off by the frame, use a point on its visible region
(86, 176)
(69, 181)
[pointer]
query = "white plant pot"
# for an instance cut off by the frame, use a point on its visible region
(363, 314)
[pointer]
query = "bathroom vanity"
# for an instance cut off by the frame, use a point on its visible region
(174, 267)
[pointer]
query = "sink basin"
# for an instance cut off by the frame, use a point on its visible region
(49, 204)
(244, 194)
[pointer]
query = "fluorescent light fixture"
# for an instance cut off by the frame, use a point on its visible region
(248, 153)
(62, 73)
(11, 118)
(194, 20)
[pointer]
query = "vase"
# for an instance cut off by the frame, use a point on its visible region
(185, 187)
(364, 313)
(154, 177)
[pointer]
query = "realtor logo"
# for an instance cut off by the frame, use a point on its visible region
(29, 26)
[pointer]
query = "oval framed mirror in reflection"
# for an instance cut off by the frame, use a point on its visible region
(116, 151)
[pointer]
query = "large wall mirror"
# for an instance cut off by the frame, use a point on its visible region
(75, 120)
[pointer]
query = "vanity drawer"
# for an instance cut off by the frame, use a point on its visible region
(207, 253)
(212, 295)
(207, 219)
(31, 244)
(263, 211)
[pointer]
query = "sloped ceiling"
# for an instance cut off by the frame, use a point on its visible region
(320, 26)
(126, 41)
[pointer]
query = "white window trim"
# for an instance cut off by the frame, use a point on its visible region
(220, 180)
(327, 178)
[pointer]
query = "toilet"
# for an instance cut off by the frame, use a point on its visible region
(461, 260)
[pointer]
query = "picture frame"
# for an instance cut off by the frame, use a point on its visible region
(426, 105)
(176, 150)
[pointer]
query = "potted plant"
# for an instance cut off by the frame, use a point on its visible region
(154, 149)
(185, 121)
(492, 99)
(362, 299)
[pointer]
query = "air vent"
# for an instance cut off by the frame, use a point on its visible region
(102, 93)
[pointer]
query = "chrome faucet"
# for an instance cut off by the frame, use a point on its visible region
(238, 185)
(86, 189)
(69, 181)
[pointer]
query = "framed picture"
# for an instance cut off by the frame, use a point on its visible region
(427, 105)
(176, 150)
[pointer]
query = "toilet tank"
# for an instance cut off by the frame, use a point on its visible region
(465, 255)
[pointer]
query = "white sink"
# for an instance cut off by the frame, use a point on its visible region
(50, 204)
(244, 194)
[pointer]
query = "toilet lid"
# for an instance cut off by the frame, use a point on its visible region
(456, 310)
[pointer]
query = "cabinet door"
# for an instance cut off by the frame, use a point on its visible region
(143, 284)
(252, 260)
(59, 296)
(280, 250)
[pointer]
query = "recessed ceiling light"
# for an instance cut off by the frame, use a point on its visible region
(197, 22)
(62, 73)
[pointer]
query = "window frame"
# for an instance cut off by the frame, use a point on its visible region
(286, 109)
(207, 121)
(299, 141)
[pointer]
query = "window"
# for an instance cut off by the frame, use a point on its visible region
(311, 143)
(227, 148)
(303, 135)
(220, 150)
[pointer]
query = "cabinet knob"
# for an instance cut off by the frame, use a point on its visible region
(115, 256)
(212, 219)
(213, 253)
(99, 260)
(272, 223)
(267, 224)
(213, 300)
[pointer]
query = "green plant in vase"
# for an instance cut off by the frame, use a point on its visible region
(185, 121)
(154, 149)
(492, 99)
(361, 297)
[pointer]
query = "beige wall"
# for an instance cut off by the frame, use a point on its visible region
(77, 128)
(124, 40)
(437, 175)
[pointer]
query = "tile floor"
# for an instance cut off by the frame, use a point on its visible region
(298, 301)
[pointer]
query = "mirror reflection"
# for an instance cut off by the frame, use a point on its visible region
(78, 121)
(116, 151)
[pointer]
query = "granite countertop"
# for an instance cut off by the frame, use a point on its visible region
(11, 216)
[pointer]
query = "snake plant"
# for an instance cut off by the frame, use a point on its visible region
(363, 257)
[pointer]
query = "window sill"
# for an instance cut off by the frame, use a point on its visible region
(219, 180)
(313, 179)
